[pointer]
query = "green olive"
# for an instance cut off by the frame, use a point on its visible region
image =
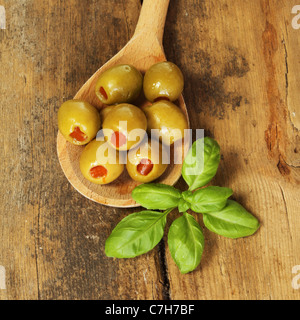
(145, 162)
(124, 126)
(165, 121)
(99, 163)
(119, 84)
(78, 121)
(163, 80)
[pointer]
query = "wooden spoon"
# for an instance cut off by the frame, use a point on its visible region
(142, 51)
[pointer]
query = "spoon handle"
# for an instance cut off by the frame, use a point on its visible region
(152, 18)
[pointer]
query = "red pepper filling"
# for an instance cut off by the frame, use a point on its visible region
(118, 139)
(103, 93)
(161, 98)
(78, 135)
(145, 167)
(98, 172)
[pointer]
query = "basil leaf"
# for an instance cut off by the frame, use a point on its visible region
(186, 242)
(210, 199)
(136, 234)
(201, 163)
(156, 196)
(234, 221)
(183, 205)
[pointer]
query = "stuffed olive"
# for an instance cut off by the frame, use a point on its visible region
(163, 81)
(165, 121)
(78, 121)
(99, 163)
(147, 162)
(124, 126)
(119, 84)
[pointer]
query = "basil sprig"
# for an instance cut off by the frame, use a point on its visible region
(140, 232)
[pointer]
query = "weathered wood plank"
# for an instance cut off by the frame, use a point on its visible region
(241, 86)
(52, 239)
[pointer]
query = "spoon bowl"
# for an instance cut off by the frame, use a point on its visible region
(142, 51)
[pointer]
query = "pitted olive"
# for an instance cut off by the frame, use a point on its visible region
(119, 84)
(99, 163)
(124, 126)
(78, 121)
(165, 121)
(147, 162)
(163, 81)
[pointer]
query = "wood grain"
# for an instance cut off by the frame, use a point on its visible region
(241, 65)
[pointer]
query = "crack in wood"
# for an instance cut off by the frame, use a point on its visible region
(286, 211)
(164, 271)
(287, 71)
(288, 164)
(275, 133)
(37, 254)
(283, 167)
(287, 78)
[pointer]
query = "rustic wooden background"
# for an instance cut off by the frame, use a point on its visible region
(242, 69)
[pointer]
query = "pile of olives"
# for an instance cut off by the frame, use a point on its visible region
(117, 88)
